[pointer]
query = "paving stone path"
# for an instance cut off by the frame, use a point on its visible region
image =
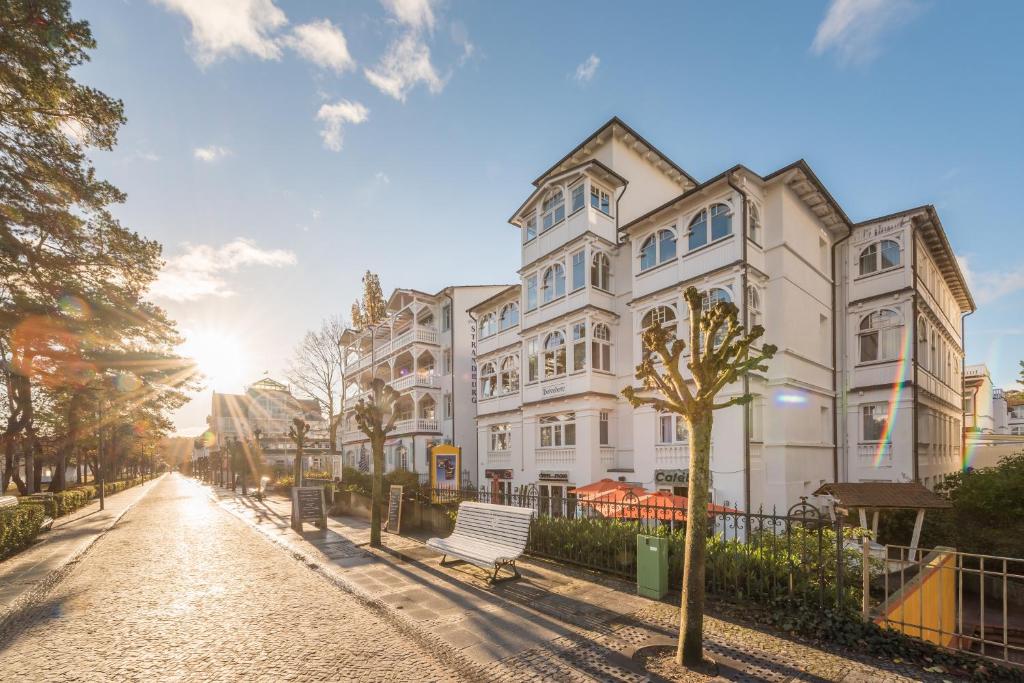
(182, 591)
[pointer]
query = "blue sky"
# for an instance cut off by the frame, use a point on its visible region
(278, 149)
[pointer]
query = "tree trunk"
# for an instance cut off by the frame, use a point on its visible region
(297, 473)
(8, 472)
(690, 651)
(377, 491)
(28, 456)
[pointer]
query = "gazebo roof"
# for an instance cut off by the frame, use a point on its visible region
(884, 495)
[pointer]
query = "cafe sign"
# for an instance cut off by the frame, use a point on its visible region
(553, 476)
(672, 477)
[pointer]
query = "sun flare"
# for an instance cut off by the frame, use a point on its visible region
(219, 356)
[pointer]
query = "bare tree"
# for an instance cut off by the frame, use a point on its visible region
(297, 433)
(720, 354)
(316, 370)
(376, 418)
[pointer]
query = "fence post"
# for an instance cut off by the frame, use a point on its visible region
(866, 577)
(839, 557)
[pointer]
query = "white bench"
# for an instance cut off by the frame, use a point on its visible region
(8, 501)
(489, 536)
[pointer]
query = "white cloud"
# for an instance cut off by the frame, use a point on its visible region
(323, 44)
(853, 28)
(585, 71)
(333, 116)
(210, 153)
(406, 63)
(416, 14)
(460, 36)
(231, 27)
(988, 285)
(199, 272)
(382, 178)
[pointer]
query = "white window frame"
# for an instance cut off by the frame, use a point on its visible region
(557, 430)
(604, 430)
(550, 292)
(553, 209)
(875, 265)
(677, 431)
(531, 289)
(659, 238)
(875, 409)
(530, 227)
(600, 199)
(579, 270)
(554, 357)
(532, 350)
(601, 347)
(500, 437)
(577, 191)
(488, 380)
(887, 336)
(509, 316)
(601, 272)
(508, 375)
(579, 345)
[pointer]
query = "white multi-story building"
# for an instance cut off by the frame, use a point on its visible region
(424, 349)
(980, 400)
(611, 237)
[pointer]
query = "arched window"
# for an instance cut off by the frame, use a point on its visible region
(554, 355)
(509, 316)
(488, 380)
(487, 325)
(661, 315)
(601, 272)
(510, 375)
(714, 296)
(553, 208)
(880, 334)
(753, 222)
(658, 248)
(922, 343)
(934, 352)
(553, 283)
(601, 348)
(754, 306)
(721, 221)
(879, 256)
(698, 230)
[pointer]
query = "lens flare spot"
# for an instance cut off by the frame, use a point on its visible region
(74, 307)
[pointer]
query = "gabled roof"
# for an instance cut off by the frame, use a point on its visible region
(267, 384)
(883, 494)
(496, 297)
(798, 176)
(926, 220)
(604, 173)
(615, 125)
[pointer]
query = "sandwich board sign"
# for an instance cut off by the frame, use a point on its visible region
(308, 506)
(394, 520)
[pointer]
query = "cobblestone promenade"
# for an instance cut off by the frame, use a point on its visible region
(181, 590)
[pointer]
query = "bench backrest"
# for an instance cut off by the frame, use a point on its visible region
(502, 524)
(8, 501)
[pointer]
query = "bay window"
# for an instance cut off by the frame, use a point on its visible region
(576, 193)
(554, 355)
(879, 256)
(601, 272)
(532, 365)
(553, 284)
(530, 229)
(531, 292)
(510, 375)
(600, 199)
(558, 430)
(509, 316)
(880, 336)
(579, 271)
(579, 346)
(658, 248)
(601, 348)
(553, 209)
(488, 380)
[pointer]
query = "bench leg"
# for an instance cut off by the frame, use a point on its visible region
(448, 564)
(512, 565)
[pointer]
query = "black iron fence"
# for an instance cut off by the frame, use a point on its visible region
(800, 555)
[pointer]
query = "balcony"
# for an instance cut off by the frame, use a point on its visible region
(672, 456)
(498, 459)
(427, 381)
(417, 334)
(876, 454)
(607, 456)
(555, 456)
(417, 425)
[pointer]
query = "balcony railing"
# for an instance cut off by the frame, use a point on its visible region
(607, 456)
(430, 381)
(880, 452)
(671, 455)
(556, 456)
(499, 458)
(417, 425)
(381, 350)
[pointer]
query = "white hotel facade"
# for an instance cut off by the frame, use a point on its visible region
(424, 349)
(868, 319)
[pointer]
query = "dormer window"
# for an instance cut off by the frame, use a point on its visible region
(530, 227)
(879, 256)
(553, 209)
(600, 199)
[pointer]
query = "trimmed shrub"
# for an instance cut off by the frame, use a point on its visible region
(66, 502)
(18, 526)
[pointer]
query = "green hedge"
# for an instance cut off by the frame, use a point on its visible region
(66, 502)
(18, 526)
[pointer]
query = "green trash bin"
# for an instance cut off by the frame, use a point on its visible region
(651, 566)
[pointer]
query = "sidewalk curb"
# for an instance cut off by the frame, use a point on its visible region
(458, 663)
(35, 594)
